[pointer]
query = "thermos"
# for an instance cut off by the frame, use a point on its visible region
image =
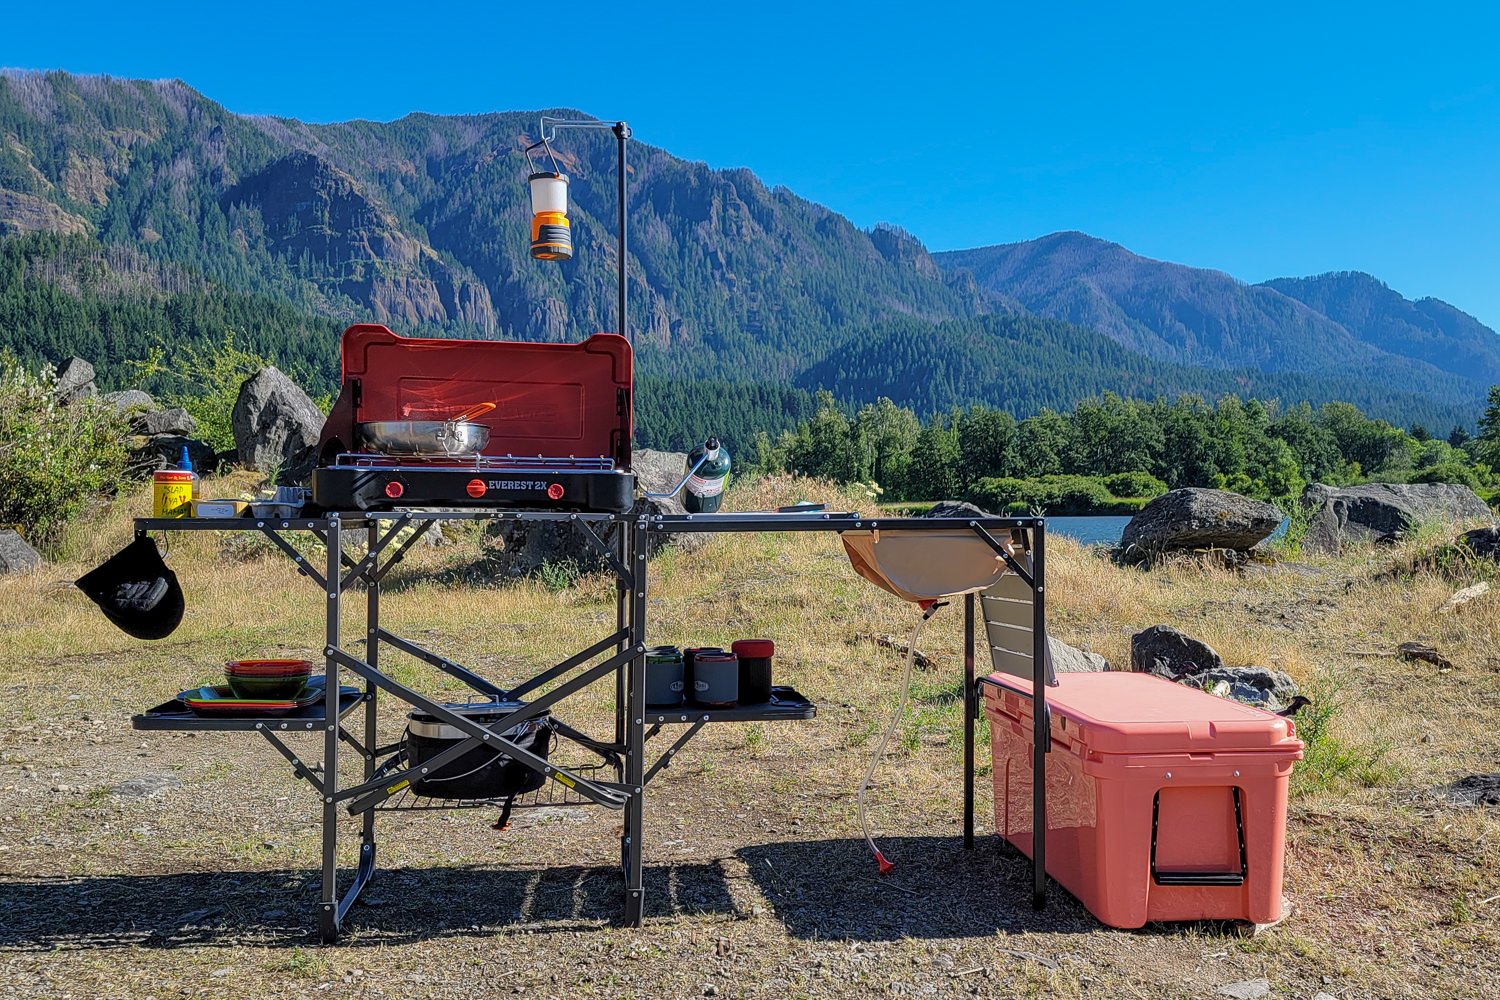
(705, 487)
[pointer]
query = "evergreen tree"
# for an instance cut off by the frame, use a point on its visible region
(1487, 442)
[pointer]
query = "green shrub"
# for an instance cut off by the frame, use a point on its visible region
(1447, 472)
(207, 382)
(1336, 755)
(55, 461)
(1134, 484)
(1061, 494)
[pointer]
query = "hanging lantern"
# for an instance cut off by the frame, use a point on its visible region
(551, 234)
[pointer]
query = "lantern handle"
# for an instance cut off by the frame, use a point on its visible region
(531, 158)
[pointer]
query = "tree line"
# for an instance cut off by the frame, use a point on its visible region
(1256, 447)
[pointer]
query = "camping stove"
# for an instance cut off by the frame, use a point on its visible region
(359, 481)
(559, 431)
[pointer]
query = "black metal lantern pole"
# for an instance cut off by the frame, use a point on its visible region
(622, 135)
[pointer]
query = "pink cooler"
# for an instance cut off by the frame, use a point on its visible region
(1163, 802)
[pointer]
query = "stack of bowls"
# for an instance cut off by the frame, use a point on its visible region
(267, 679)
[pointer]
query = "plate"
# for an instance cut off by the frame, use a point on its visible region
(219, 699)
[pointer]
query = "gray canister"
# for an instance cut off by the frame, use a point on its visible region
(716, 677)
(665, 677)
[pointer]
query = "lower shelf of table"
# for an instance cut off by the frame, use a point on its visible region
(786, 705)
(174, 715)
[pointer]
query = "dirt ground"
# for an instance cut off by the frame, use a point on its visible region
(172, 865)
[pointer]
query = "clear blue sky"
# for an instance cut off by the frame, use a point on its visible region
(1262, 139)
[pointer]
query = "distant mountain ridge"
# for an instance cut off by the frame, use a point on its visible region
(421, 223)
(1428, 328)
(1345, 326)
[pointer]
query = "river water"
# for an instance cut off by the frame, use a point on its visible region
(1104, 530)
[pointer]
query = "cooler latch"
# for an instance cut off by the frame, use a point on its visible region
(1201, 878)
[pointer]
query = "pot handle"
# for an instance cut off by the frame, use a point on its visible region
(478, 409)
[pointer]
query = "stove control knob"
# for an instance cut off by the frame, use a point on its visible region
(555, 491)
(394, 489)
(476, 488)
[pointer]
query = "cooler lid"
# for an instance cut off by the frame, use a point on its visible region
(1131, 713)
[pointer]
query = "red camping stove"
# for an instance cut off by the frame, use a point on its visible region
(559, 434)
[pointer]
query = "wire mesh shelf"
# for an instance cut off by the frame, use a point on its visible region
(552, 793)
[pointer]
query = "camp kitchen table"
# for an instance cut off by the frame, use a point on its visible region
(621, 541)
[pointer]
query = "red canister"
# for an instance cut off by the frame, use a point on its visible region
(755, 669)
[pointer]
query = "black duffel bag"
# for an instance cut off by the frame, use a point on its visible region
(482, 772)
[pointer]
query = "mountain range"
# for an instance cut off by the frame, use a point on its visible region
(154, 201)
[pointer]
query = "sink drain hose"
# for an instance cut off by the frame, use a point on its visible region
(929, 609)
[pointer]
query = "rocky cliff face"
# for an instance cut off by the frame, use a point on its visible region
(317, 218)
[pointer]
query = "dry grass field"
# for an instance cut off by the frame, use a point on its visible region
(758, 881)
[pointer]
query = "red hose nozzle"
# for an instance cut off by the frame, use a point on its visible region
(885, 866)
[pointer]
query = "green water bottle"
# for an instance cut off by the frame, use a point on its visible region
(705, 488)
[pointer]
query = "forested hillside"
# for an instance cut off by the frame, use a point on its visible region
(141, 216)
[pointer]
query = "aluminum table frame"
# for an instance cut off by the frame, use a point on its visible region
(389, 535)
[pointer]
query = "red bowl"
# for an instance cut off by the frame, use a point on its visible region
(268, 668)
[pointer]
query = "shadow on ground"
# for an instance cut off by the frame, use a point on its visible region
(829, 889)
(277, 907)
(820, 889)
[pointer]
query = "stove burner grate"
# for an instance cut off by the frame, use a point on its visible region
(475, 463)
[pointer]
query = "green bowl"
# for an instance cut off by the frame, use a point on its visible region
(267, 687)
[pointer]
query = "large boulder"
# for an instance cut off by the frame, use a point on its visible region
(658, 471)
(276, 426)
(1068, 659)
(75, 381)
(130, 401)
(955, 508)
(16, 556)
(1170, 653)
(173, 421)
(1188, 519)
(1483, 542)
(1382, 513)
(1262, 687)
(165, 452)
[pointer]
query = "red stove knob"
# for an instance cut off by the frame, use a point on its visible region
(475, 488)
(393, 489)
(555, 491)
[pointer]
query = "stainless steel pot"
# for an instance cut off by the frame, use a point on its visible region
(429, 437)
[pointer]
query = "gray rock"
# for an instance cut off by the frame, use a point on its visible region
(1249, 989)
(75, 381)
(1068, 659)
(16, 556)
(1483, 542)
(276, 426)
(1476, 790)
(165, 452)
(955, 508)
(146, 786)
(173, 421)
(1169, 653)
(1270, 689)
(1382, 513)
(1198, 519)
(130, 400)
(658, 471)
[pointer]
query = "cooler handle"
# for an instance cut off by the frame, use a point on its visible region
(1201, 878)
